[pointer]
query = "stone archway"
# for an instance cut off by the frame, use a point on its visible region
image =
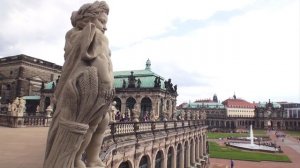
(125, 164)
(170, 158)
(130, 102)
(179, 156)
(146, 107)
(144, 162)
(119, 103)
(159, 159)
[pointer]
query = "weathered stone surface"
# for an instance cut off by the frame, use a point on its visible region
(84, 92)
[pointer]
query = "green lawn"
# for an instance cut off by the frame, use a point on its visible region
(217, 135)
(293, 133)
(217, 151)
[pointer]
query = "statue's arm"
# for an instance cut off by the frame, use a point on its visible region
(88, 45)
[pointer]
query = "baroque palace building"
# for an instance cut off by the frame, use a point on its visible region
(235, 113)
(22, 76)
(159, 139)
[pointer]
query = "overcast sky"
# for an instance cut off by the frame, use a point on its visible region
(206, 47)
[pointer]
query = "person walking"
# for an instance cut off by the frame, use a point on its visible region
(231, 163)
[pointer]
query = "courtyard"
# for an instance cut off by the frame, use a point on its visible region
(24, 148)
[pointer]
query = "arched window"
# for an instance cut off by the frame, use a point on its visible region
(146, 107)
(144, 162)
(159, 160)
(129, 105)
(170, 158)
(118, 101)
(124, 165)
(179, 155)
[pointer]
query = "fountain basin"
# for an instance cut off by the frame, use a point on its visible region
(253, 147)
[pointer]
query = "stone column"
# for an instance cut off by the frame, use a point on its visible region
(192, 153)
(188, 157)
(197, 151)
(182, 157)
(204, 145)
(201, 147)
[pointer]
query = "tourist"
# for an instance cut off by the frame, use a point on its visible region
(231, 163)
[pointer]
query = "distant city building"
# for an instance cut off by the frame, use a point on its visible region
(22, 76)
(150, 91)
(235, 113)
(147, 90)
(236, 107)
(163, 142)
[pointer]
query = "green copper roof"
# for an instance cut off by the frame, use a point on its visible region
(31, 97)
(209, 105)
(146, 76)
(49, 85)
(263, 104)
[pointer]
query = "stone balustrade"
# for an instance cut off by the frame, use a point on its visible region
(25, 121)
(170, 144)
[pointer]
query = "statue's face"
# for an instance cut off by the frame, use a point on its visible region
(101, 21)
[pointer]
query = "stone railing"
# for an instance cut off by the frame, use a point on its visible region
(121, 128)
(120, 134)
(25, 121)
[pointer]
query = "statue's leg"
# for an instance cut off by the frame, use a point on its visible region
(78, 163)
(94, 148)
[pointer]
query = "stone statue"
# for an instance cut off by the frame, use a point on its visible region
(9, 107)
(37, 109)
(124, 83)
(21, 107)
(83, 94)
(152, 116)
(113, 111)
(139, 83)
(49, 110)
(135, 113)
(14, 107)
(165, 115)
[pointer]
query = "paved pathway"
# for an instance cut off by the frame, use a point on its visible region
(290, 147)
(22, 147)
(25, 147)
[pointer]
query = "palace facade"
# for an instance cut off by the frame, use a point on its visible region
(235, 113)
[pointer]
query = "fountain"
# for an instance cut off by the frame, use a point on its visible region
(252, 145)
(251, 136)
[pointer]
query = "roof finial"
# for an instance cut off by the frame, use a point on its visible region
(148, 65)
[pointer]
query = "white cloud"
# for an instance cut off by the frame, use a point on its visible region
(254, 51)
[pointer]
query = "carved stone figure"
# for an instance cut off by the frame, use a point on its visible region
(37, 109)
(165, 115)
(49, 110)
(14, 107)
(139, 82)
(83, 94)
(9, 107)
(135, 113)
(124, 83)
(152, 116)
(21, 107)
(113, 111)
(131, 80)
